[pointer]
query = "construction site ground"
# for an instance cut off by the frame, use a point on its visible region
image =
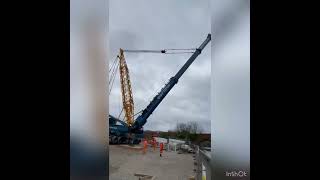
(125, 162)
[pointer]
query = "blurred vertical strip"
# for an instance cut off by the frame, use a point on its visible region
(88, 89)
(230, 84)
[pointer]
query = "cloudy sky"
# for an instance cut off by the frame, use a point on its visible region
(145, 24)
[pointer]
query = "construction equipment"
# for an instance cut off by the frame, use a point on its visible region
(121, 132)
(127, 99)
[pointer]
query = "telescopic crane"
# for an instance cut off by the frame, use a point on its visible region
(132, 133)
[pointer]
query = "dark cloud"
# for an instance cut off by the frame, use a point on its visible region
(144, 24)
(118, 37)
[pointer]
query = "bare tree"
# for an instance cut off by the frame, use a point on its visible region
(194, 127)
(188, 131)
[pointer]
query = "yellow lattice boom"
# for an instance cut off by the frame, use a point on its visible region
(127, 98)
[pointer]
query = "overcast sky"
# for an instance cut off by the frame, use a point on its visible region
(145, 24)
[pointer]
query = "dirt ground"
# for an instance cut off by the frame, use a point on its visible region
(125, 162)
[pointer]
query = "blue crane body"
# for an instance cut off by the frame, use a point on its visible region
(121, 133)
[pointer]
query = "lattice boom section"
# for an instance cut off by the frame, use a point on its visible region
(127, 98)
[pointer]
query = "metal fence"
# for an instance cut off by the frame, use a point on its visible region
(203, 168)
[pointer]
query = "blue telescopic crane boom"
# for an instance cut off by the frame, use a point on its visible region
(142, 118)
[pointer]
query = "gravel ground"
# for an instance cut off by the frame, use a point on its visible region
(125, 162)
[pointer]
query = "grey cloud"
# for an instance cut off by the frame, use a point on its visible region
(122, 39)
